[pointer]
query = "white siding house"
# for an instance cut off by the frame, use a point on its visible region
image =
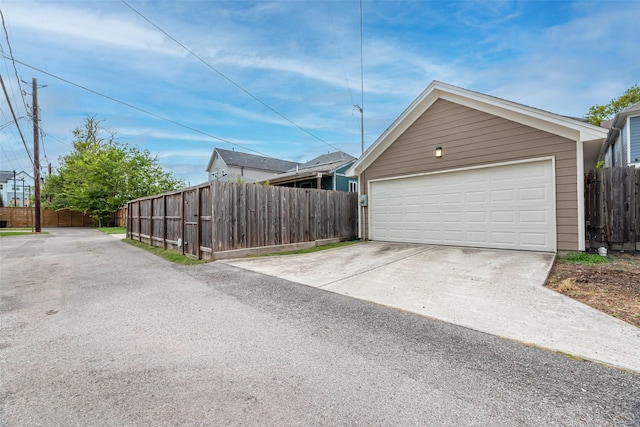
(230, 165)
(16, 188)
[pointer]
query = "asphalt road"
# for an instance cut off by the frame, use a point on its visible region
(96, 332)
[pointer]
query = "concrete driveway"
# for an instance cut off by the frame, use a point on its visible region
(494, 291)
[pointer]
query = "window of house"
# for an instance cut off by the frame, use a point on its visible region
(353, 186)
(613, 155)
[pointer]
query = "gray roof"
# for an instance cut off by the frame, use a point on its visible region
(252, 161)
(634, 107)
(607, 124)
(329, 161)
(5, 176)
(322, 164)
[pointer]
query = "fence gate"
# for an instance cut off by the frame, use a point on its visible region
(191, 207)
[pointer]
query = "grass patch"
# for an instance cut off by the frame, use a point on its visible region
(583, 258)
(18, 233)
(171, 256)
(572, 356)
(310, 250)
(113, 230)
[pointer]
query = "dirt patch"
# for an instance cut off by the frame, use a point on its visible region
(613, 287)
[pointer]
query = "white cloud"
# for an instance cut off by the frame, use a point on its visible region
(87, 27)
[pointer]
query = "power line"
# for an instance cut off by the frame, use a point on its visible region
(335, 36)
(6, 34)
(221, 74)
(4, 89)
(126, 104)
(361, 83)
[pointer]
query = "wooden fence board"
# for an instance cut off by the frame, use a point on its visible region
(49, 218)
(612, 208)
(238, 216)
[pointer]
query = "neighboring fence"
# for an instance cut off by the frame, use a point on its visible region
(612, 198)
(223, 216)
(23, 217)
(119, 217)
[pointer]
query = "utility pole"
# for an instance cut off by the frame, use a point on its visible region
(14, 198)
(36, 158)
(23, 205)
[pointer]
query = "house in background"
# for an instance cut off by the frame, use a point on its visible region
(326, 172)
(231, 165)
(622, 147)
(16, 188)
(463, 168)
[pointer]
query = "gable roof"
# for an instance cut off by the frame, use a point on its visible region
(250, 161)
(568, 127)
(324, 164)
(6, 176)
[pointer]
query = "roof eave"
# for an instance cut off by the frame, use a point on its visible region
(211, 159)
(550, 122)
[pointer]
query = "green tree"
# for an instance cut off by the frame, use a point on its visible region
(599, 113)
(100, 175)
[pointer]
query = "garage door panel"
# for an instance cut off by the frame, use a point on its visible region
(535, 239)
(476, 197)
(534, 217)
(511, 207)
(503, 217)
(533, 194)
(479, 237)
(478, 217)
(497, 196)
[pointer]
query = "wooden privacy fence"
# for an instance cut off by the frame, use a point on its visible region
(222, 216)
(119, 217)
(23, 217)
(612, 210)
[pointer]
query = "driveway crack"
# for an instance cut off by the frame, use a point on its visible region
(376, 267)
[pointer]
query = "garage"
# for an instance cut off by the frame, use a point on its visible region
(505, 206)
(463, 168)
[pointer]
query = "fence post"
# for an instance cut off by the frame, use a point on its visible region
(164, 222)
(182, 222)
(139, 221)
(213, 220)
(198, 223)
(151, 222)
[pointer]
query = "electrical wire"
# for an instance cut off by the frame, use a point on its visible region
(221, 74)
(335, 36)
(6, 34)
(4, 89)
(361, 82)
(126, 104)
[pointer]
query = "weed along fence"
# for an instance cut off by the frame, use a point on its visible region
(211, 220)
(612, 210)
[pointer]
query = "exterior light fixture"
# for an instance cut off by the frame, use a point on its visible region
(438, 152)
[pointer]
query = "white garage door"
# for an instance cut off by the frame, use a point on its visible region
(506, 207)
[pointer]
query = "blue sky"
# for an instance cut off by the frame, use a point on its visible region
(302, 59)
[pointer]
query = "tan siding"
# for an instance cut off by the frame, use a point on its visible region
(470, 138)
